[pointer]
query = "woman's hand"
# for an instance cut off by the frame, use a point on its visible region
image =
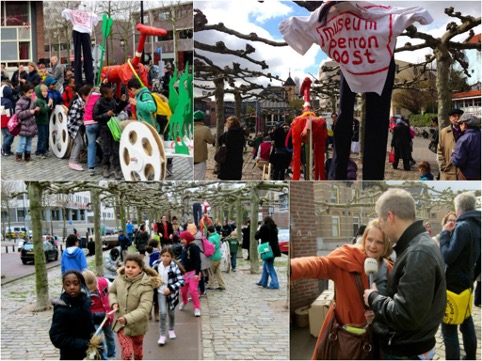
(132, 101)
(122, 321)
(196, 278)
(167, 291)
(115, 307)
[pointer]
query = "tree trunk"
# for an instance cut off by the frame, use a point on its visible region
(51, 223)
(99, 261)
(122, 214)
(361, 129)
(41, 279)
(237, 105)
(219, 98)
(239, 222)
(444, 95)
(64, 218)
(253, 246)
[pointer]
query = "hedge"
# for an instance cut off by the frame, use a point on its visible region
(421, 120)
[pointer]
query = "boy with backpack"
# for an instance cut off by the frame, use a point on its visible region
(143, 101)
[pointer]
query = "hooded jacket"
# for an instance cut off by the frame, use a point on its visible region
(72, 326)
(41, 117)
(145, 106)
(215, 239)
(198, 241)
(103, 105)
(408, 317)
(73, 258)
(28, 127)
(134, 297)
(457, 252)
(99, 302)
(174, 282)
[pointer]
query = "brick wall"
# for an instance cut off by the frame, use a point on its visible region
(39, 15)
(303, 236)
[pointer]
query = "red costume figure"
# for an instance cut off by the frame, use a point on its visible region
(122, 73)
(299, 129)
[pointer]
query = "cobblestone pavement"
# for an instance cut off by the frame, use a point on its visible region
(243, 322)
(303, 344)
(55, 169)
(247, 322)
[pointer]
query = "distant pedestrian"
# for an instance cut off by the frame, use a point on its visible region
(72, 322)
(246, 237)
(57, 72)
(73, 258)
(215, 259)
(168, 292)
(401, 140)
(141, 241)
(268, 232)
(233, 139)
(448, 137)
(425, 171)
(112, 262)
(191, 261)
(205, 262)
(202, 137)
(467, 153)
(99, 306)
(233, 248)
(130, 229)
(25, 111)
(124, 244)
(131, 297)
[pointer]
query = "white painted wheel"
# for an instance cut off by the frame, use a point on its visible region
(59, 139)
(141, 152)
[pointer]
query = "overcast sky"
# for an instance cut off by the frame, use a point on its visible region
(264, 18)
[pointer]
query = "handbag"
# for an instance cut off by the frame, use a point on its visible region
(14, 125)
(432, 146)
(459, 307)
(115, 128)
(265, 251)
(222, 152)
(391, 156)
(344, 342)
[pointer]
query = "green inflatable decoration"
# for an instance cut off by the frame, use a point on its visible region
(181, 120)
(106, 26)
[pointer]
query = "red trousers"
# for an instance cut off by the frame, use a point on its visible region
(131, 345)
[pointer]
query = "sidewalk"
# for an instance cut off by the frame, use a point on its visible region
(303, 343)
(56, 169)
(243, 322)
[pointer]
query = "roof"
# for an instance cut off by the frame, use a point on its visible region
(474, 39)
(289, 82)
(469, 94)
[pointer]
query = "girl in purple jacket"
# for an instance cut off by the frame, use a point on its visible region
(25, 111)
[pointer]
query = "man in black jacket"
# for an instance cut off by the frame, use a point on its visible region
(408, 316)
(460, 247)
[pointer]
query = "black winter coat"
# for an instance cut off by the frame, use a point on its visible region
(408, 316)
(232, 168)
(401, 141)
(103, 105)
(191, 258)
(142, 239)
(269, 233)
(246, 232)
(72, 326)
(34, 78)
(160, 229)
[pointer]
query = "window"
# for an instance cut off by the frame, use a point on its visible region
(283, 203)
(20, 214)
(356, 224)
(335, 226)
(16, 36)
(334, 195)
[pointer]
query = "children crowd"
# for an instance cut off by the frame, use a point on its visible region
(151, 272)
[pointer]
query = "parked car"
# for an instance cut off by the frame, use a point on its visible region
(27, 252)
(284, 240)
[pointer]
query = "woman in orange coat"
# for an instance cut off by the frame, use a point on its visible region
(339, 266)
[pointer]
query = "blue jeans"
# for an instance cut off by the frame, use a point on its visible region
(269, 271)
(7, 140)
(233, 260)
(92, 132)
(24, 144)
(109, 342)
(43, 137)
(451, 340)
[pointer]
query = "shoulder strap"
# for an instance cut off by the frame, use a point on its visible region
(360, 287)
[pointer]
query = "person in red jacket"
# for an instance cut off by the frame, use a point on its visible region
(339, 266)
(69, 94)
(99, 305)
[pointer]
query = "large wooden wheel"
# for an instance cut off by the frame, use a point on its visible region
(59, 139)
(141, 152)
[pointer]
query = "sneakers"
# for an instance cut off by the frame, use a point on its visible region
(161, 341)
(75, 166)
(182, 306)
(197, 312)
(92, 171)
(172, 335)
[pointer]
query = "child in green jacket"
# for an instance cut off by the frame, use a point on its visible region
(233, 248)
(42, 119)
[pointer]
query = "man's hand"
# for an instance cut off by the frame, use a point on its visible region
(132, 101)
(366, 294)
(449, 226)
(123, 97)
(370, 316)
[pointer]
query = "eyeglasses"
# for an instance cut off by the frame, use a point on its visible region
(451, 220)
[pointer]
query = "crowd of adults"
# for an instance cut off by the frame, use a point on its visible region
(406, 304)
